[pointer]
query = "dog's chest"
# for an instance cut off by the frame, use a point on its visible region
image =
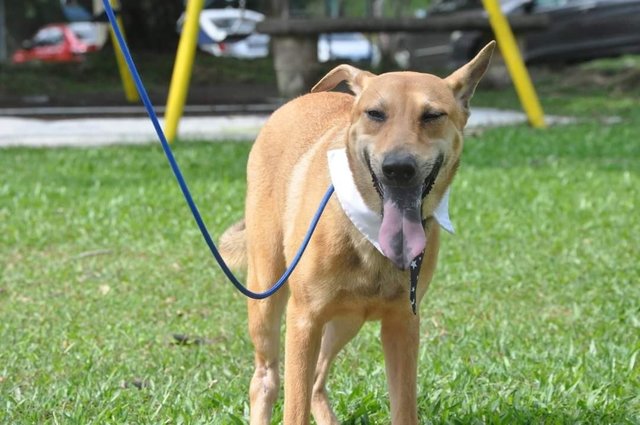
(380, 286)
(366, 274)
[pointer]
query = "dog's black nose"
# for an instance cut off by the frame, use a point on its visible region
(399, 168)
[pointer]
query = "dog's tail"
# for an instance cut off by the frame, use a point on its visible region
(233, 246)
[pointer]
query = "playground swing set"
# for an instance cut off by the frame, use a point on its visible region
(185, 56)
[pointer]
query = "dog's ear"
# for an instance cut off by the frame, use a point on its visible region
(355, 77)
(463, 82)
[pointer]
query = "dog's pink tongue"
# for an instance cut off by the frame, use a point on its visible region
(401, 234)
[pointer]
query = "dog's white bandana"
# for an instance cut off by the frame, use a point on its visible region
(366, 220)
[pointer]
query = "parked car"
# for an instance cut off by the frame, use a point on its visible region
(60, 43)
(579, 30)
(350, 46)
(231, 32)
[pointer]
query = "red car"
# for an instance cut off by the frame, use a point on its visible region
(58, 43)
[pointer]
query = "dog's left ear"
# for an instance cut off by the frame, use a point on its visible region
(463, 82)
(356, 78)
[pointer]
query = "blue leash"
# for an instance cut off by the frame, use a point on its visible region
(185, 190)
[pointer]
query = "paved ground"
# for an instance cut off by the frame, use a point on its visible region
(105, 131)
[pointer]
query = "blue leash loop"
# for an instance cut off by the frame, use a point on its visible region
(185, 189)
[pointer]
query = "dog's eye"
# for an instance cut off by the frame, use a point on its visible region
(376, 115)
(428, 117)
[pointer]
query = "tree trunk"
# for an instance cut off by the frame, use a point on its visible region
(295, 58)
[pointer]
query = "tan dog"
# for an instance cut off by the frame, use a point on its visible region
(402, 135)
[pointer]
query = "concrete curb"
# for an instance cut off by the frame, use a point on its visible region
(31, 132)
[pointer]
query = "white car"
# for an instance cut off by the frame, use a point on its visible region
(231, 32)
(349, 46)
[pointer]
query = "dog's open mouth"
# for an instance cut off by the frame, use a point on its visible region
(401, 235)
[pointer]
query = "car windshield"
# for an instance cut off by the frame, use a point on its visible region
(48, 37)
(345, 36)
(86, 34)
(450, 6)
(444, 6)
(235, 25)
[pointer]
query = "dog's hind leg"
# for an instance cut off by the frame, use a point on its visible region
(264, 327)
(336, 334)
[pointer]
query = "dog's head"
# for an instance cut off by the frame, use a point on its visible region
(405, 136)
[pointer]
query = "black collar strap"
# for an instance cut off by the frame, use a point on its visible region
(414, 274)
(416, 264)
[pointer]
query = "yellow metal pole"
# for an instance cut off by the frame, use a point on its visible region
(182, 68)
(515, 64)
(128, 85)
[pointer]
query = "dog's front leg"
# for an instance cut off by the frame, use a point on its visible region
(303, 337)
(400, 338)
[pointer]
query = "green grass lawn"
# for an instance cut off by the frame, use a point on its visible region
(533, 316)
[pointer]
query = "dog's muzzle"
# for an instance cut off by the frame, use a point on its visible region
(402, 192)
